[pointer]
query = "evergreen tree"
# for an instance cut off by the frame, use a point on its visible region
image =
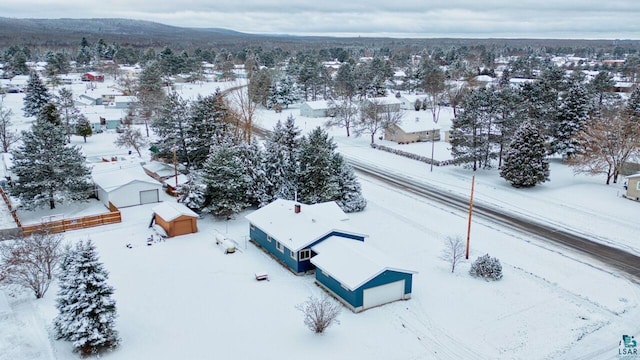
(87, 311)
(149, 92)
(509, 116)
(351, 199)
(223, 174)
(470, 130)
(254, 169)
(83, 127)
(193, 194)
(36, 95)
(205, 124)
(47, 171)
(83, 58)
(572, 117)
(280, 160)
(17, 64)
(526, 163)
(68, 110)
(316, 175)
(170, 126)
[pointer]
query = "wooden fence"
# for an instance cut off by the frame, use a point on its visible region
(59, 226)
(10, 206)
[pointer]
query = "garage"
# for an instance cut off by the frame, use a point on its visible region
(379, 295)
(127, 186)
(359, 275)
(149, 196)
(175, 218)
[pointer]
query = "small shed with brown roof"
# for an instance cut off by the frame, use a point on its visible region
(175, 218)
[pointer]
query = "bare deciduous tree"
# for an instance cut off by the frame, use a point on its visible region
(453, 251)
(319, 313)
(344, 114)
(607, 142)
(131, 137)
(245, 108)
(8, 136)
(376, 116)
(31, 260)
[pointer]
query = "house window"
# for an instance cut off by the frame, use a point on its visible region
(292, 254)
(280, 247)
(305, 254)
(253, 227)
(638, 185)
(268, 238)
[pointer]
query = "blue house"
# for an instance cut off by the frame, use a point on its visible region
(288, 230)
(359, 275)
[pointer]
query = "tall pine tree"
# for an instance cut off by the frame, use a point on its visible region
(87, 311)
(36, 95)
(526, 163)
(223, 174)
(47, 170)
(572, 117)
(316, 177)
(281, 160)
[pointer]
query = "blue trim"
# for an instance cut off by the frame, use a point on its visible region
(260, 237)
(355, 297)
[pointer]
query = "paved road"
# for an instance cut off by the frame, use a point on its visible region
(625, 262)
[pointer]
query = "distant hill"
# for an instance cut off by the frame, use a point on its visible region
(69, 32)
(53, 33)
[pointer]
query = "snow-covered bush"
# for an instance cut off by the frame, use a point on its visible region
(486, 267)
(319, 313)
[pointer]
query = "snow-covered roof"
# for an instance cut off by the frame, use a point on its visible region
(633, 176)
(353, 263)
(411, 98)
(386, 100)
(318, 105)
(298, 230)
(416, 121)
(112, 180)
(172, 210)
(182, 179)
(160, 168)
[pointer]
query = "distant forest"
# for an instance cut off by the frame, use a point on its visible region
(56, 34)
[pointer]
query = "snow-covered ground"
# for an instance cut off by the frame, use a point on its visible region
(184, 298)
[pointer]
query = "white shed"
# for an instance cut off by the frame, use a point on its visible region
(315, 109)
(125, 187)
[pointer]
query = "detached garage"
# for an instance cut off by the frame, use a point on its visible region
(359, 275)
(175, 218)
(124, 188)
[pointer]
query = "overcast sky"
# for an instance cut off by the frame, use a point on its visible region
(584, 19)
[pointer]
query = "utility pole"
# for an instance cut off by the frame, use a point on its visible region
(473, 182)
(175, 171)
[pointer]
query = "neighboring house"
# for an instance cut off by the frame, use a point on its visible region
(633, 187)
(85, 99)
(93, 76)
(315, 109)
(415, 126)
(287, 230)
(386, 103)
(360, 276)
(175, 218)
(122, 102)
(409, 101)
(124, 187)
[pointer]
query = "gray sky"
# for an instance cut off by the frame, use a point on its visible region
(584, 19)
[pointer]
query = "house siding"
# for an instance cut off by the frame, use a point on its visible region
(260, 237)
(355, 298)
(633, 190)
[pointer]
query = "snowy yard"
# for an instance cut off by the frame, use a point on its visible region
(185, 299)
